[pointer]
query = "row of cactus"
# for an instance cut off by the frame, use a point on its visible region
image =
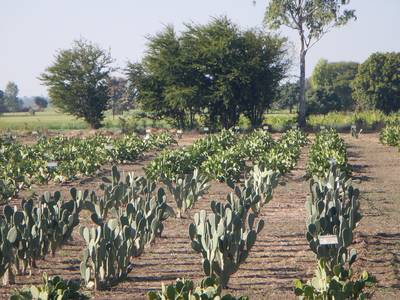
(184, 289)
(66, 158)
(333, 211)
(328, 146)
(35, 230)
(283, 155)
(172, 163)
(226, 236)
(223, 156)
(187, 190)
(129, 220)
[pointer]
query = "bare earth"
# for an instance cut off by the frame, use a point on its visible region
(281, 253)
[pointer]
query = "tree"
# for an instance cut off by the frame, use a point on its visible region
(216, 70)
(312, 19)
(377, 84)
(120, 98)
(158, 81)
(41, 102)
(332, 80)
(322, 101)
(11, 101)
(77, 81)
(264, 65)
(288, 96)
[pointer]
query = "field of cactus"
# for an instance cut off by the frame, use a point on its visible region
(203, 216)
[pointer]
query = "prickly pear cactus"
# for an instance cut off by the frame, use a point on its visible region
(187, 190)
(333, 209)
(224, 241)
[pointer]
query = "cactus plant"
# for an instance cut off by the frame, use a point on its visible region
(187, 190)
(264, 182)
(333, 209)
(224, 241)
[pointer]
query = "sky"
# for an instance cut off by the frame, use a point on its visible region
(31, 31)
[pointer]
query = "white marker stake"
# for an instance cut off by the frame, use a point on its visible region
(328, 240)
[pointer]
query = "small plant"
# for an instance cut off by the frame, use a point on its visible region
(341, 285)
(390, 135)
(54, 288)
(183, 289)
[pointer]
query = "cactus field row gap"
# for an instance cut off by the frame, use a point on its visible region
(376, 169)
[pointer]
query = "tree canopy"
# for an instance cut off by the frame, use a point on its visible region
(217, 70)
(41, 102)
(78, 81)
(330, 86)
(377, 84)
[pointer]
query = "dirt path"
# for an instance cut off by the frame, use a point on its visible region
(378, 169)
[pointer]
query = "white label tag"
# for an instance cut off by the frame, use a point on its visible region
(52, 164)
(328, 240)
(205, 128)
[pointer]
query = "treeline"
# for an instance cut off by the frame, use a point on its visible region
(348, 86)
(10, 102)
(211, 75)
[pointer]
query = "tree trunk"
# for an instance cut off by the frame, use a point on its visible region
(302, 99)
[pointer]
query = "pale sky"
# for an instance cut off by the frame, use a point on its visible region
(32, 30)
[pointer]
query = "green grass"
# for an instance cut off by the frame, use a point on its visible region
(41, 120)
(53, 120)
(369, 120)
(277, 120)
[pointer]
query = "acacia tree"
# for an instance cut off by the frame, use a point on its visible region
(78, 81)
(312, 19)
